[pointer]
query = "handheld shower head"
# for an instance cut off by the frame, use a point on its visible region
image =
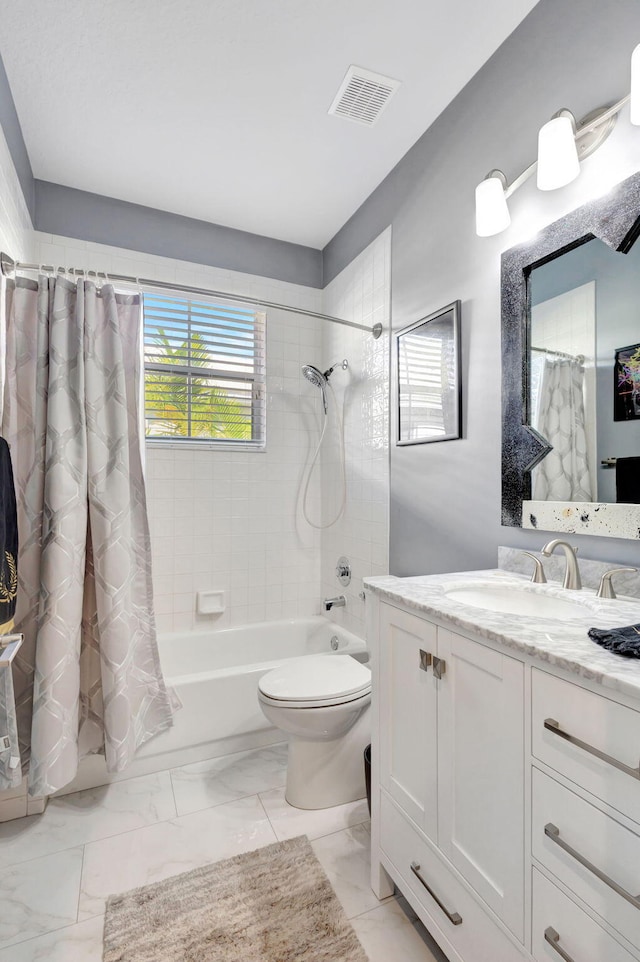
(318, 379)
(314, 375)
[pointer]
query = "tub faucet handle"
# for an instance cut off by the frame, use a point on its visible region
(338, 602)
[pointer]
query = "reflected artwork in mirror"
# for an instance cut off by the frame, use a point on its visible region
(570, 321)
(428, 353)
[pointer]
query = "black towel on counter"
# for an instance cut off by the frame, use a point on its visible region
(621, 641)
(628, 480)
(8, 542)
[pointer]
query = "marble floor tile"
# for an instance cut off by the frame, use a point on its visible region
(288, 821)
(39, 896)
(87, 816)
(387, 933)
(220, 780)
(345, 857)
(159, 851)
(76, 943)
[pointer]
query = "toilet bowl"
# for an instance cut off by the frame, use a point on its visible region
(321, 702)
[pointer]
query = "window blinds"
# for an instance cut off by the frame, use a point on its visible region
(204, 370)
(424, 377)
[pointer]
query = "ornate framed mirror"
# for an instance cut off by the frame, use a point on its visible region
(550, 288)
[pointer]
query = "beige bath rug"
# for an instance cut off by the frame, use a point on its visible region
(272, 905)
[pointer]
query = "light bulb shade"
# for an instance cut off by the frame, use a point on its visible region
(558, 162)
(634, 106)
(492, 212)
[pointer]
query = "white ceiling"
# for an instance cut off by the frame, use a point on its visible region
(217, 109)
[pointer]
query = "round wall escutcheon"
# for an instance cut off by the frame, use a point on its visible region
(343, 571)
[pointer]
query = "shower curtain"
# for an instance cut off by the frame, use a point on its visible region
(563, 475)
(88, 678)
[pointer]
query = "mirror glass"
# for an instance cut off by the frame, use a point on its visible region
(428, 378)
(584, 374)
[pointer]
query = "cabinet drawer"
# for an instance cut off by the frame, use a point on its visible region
(476, 937)
(609, 737)
(580, 938)
(603, 860)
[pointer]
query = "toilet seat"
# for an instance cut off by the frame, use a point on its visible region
(316, 681)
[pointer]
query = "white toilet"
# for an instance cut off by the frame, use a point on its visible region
(322, 703)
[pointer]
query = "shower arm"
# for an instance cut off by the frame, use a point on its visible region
(9, 268)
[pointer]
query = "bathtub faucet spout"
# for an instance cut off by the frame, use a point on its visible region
(338, 602)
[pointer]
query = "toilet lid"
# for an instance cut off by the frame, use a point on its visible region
(316, 678)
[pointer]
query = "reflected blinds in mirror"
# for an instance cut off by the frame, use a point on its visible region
(423, 368)
(428, 385)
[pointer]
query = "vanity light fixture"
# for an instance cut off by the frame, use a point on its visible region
(562, 144)
(492, 210)
(558, 162)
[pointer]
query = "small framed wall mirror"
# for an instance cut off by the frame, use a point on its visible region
(428, 356)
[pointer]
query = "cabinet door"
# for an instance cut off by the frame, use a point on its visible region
(481, 772)
(408, 715)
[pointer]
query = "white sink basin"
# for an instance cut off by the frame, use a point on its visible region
(513, 600)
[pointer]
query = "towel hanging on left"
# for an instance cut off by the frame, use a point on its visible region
(8, 542)
(10, 770)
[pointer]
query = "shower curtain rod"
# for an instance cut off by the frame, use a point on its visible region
(10, 267)
(549, 350)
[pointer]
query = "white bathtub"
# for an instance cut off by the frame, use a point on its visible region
(215, 675)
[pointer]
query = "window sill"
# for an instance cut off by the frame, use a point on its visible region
(191, 445)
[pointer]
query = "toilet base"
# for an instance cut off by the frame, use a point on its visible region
(321, 774)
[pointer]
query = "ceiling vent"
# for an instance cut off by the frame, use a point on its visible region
(363, 95)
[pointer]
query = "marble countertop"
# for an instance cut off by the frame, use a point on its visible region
(563, 643)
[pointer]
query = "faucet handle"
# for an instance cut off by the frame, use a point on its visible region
(538, 577)
(605, 589)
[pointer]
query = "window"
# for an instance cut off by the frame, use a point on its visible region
(204, 371)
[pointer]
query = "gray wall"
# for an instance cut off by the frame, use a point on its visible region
(104, 220)
(617, 278)
(445, 498)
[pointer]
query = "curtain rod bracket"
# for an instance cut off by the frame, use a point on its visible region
(7, 265)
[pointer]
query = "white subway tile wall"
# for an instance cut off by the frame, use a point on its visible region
(361, 293)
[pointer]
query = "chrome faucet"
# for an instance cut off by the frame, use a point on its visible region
(571, 571)
(605, 589)
(338, 602)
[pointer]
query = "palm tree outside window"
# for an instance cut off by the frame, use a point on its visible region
(204, 371)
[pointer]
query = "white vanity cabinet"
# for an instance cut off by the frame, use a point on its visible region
(478, 752)
(452, 764)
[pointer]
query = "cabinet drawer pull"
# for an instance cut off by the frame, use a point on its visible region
(553, 833)
(552, 937)
(453, 917)
(552, 726)
(425, 660)
(439, 667)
